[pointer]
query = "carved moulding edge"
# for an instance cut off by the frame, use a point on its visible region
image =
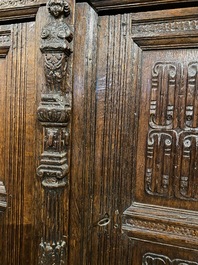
(20, 11)
(161, 224)
(171, 32)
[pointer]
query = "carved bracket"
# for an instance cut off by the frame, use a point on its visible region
(54, 113)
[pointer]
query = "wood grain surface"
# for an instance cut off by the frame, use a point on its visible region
(114, 61)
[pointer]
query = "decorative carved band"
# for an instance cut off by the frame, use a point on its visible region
(54, 114)
(15, 3)
(162, 224)
(176, 26)
(3, 197)
(157, 226)
(153, 259)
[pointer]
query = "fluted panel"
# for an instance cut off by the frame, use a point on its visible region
(103, 125)
(18, 147)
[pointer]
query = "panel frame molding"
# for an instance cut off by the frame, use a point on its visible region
(162, 224)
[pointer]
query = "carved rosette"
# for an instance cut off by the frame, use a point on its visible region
(54, 114)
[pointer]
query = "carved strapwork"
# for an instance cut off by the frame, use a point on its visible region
(54, 114)
(173, 137)
(3, 197)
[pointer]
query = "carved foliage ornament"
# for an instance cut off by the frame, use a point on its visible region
(153, 259)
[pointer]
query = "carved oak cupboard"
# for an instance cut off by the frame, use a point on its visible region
(99, 132)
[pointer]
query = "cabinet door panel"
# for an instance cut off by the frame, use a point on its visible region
(164, 208)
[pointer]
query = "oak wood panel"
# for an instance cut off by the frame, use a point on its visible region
(20, 144)
(164, 208)
(14, 125)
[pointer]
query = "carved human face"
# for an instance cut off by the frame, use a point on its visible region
(56, 8)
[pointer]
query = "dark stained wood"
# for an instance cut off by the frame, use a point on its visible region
(113, 210)
(146, 253)
(164, 208)
(54, 114)
(102, 132)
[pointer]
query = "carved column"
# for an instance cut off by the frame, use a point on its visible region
(54, 114)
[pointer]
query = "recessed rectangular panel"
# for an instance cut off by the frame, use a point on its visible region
(167, 167)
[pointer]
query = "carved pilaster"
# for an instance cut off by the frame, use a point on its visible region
(54, 114)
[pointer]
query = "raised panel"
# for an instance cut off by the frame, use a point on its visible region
(167, 144)
(167, 130)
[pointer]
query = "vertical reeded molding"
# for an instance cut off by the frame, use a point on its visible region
(54, 114)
